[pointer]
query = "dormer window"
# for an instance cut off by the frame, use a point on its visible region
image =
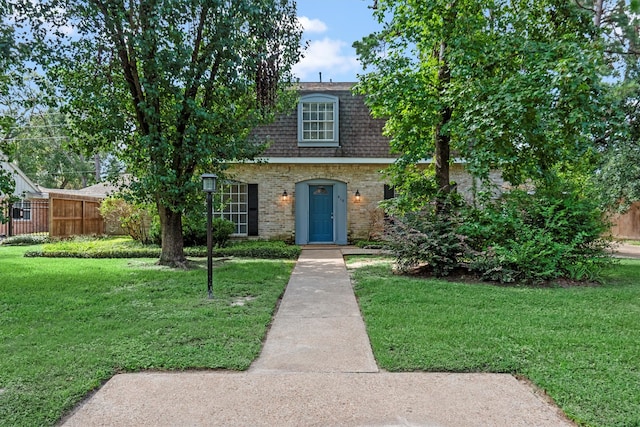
(318, 121)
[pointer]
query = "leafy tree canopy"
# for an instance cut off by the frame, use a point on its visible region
(502, 85)
(173, 87)
(618, 175)
(42, 152)
(9, 60)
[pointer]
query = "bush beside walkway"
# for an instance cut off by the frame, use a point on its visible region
(125, 247)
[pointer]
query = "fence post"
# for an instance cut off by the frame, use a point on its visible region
(10, 223)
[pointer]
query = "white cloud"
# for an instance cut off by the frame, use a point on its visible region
(312, 25)
(328, 57)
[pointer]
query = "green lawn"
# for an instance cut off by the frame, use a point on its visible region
(581, 344)
(68, 325)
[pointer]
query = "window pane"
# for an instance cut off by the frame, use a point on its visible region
(234, 206)
(317, 121)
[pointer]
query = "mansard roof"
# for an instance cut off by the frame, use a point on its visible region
(360, 135)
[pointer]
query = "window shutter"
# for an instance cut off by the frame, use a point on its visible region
(252, 205)
(389, 192)
(17, 213)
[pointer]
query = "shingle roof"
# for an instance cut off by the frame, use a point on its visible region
(101, 189)
(360, 134)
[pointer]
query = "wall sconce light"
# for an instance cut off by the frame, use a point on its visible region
(357, 196)
(285, 196)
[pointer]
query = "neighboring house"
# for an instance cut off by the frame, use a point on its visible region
(29, 210)
(25, 189)
(321, 179)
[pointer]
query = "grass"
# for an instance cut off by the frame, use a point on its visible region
(68, 325)
(581, 344)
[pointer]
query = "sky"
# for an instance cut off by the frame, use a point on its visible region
(331, 27)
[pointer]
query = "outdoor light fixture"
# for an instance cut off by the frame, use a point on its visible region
(209, 186)
(285, 196)
(357, 196)
(209, 182)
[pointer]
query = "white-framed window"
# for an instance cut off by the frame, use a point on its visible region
(234, 206)
(21, 211)
(318, 121)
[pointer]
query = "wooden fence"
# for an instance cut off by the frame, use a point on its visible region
(72, 215)
(62, 215)
(627, 225)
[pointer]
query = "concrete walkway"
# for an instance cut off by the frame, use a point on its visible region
(625, 250)
(316, 369)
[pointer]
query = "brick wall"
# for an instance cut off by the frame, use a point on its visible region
(277, 216)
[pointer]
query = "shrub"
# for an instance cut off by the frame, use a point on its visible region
(117, 248)
(194, 231)
(426, 239)
(554, 232)
(221, 231)
(194, 228)
(260, 249)
(155, 231)
(134, 218)
(535, 237)
(25, 239)
(532, 256)
(370, 244)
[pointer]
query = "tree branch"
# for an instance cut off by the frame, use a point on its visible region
(127, 58)
(581, 6)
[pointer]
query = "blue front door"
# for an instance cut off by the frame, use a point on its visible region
(320, 214)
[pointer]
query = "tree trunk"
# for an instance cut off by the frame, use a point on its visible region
(442, 153)
(598, 8)
(98, 167)
(172, 242)
(443, 140)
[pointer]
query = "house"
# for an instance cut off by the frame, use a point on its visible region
(320, 181)
(29, 212)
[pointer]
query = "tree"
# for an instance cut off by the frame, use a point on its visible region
(8, 62)
(508, 85)
(618, 175)
(41, 149)
(172, 87)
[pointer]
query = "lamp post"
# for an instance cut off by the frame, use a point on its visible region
(209, 186)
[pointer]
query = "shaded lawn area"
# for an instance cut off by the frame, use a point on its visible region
(581, 345)
(68, 325)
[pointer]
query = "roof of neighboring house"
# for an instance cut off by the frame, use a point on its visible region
(24, 185)
(101, 189)
(31, 190)
(359, 133)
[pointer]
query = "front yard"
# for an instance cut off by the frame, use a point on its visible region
(580, 344)
(68, 325)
